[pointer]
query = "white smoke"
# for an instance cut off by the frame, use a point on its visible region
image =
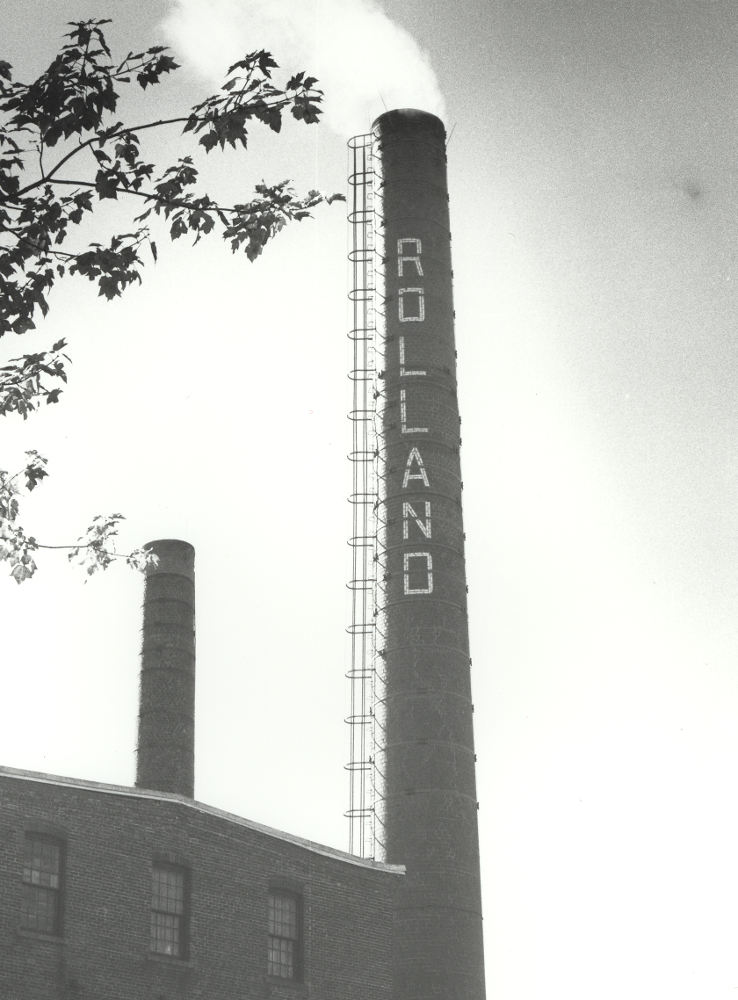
(364, 62)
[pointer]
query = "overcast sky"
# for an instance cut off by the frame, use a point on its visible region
(594, 197)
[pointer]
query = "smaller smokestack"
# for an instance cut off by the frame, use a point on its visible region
(166, 721)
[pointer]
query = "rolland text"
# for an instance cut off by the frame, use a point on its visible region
(411, 309)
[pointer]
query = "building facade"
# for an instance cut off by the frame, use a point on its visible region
(142, 893)
(118, 893)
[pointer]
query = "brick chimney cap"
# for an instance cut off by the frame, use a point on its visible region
(175, 556)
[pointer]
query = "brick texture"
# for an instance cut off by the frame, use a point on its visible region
(112, 836)
(166, 722)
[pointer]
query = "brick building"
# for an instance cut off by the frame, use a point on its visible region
(119, 893)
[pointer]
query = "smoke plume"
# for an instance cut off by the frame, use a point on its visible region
(365, 63)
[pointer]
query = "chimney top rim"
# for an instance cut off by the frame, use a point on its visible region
(412, 116)
(169, 541)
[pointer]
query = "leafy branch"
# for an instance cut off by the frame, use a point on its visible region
(95, 550)
(63, 151)
(71, 109)
(22, 381)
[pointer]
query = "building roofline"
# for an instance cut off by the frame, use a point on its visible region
(125, 791)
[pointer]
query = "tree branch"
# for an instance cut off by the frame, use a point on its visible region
(88, 142)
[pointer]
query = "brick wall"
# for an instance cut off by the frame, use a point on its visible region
(113, 835)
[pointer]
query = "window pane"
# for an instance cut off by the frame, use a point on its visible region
(281, 958)
(283, 916)
(39, 909)
(165, 938)
(41, 885)
(168, 891)
(284, 935)
(168, 912)
(41, 863)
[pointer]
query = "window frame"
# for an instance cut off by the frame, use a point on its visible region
(56, 893)
(283, 892)
(183, 925)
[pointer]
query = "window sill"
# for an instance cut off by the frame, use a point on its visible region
(172, 960)
(27, 932)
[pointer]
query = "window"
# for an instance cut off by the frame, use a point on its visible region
(42, 877)
(284, 935)
(168, 911)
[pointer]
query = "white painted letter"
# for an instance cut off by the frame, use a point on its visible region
(401, 259)
(408, 512)
(414, 456)
(402, 360)
(421, 305)
(428, 589)
(403, 418)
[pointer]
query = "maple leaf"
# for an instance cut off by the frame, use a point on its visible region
(105, 185)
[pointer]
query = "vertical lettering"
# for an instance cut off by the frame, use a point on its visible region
(408, 512)
(415, 457)
(428, 589)
(403, 418)
(401, 305)
(416, 579)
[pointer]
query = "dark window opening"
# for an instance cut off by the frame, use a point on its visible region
(168, 912)
(42, 882)
(284, 935)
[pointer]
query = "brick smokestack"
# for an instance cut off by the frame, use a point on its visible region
(430, 807)
(166, 721)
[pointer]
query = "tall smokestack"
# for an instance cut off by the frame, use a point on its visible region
(166, 722)
(430, 807)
